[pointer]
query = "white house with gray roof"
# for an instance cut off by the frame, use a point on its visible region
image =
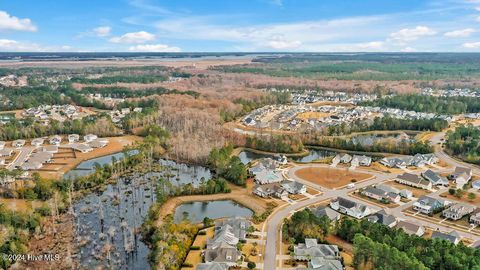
(311, 249)
(458, 211)
(351, 208)
(435, 178)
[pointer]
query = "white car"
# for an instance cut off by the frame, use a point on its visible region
(351, 185)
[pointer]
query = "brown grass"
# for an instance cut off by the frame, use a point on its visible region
(330, 177)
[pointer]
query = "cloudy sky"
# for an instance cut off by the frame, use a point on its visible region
(240, 25)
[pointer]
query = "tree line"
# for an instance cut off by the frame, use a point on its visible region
(431, 104)
(463, 142)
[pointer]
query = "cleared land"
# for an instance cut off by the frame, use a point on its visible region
(330, 177)
(65, 160)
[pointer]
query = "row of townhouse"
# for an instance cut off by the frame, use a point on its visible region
(355, 160)
(418, 160)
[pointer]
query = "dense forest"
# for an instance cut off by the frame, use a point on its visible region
(402, 147)
(29, 128)
(387, 123)
(357, 70)
(145, 78)
(403, 250)
(276, 143)
(26, 97)
(431, 104)
(228, 166)
(463, 142)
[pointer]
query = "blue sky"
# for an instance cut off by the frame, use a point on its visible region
(240, 25)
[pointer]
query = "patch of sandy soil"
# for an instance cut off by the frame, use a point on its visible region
(330, 177)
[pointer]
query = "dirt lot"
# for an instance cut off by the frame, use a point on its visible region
(330, 177)
(309, 115)
(65, 160)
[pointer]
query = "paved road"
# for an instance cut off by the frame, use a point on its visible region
(276, 219)
(436, 139)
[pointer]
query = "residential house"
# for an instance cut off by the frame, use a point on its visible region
(393, 162)
(73, 138)
(452, 236)
(18, 143)
(89, 138)
(81, 147)
(270, 190)
(387, 188)
(311, 249)
(420, 160)
(383, 218)
(6, 152)
(37, 142)
(475, 217)
(326, 211)
(349, 207)
(98, 143)
(428, 205)
(361, 161)
(55, 140)
(458, 210)
(319, 263)
(405, 193)
(375, 193)
(411, 228)
(345, 158)
(461, 176)
(222, 253)
(435, 179)
(293, 187)
(237, 226)
(212, 266)
(413, 180)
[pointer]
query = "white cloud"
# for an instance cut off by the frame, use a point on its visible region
(471, 45)
(460, 33)
(154, 48)
(408, 49)
(373, 45)
(477, 19)
(134, 37)
(102, 31)
(283, 44)
(9, 22)
(411, 34)
(9, 45)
